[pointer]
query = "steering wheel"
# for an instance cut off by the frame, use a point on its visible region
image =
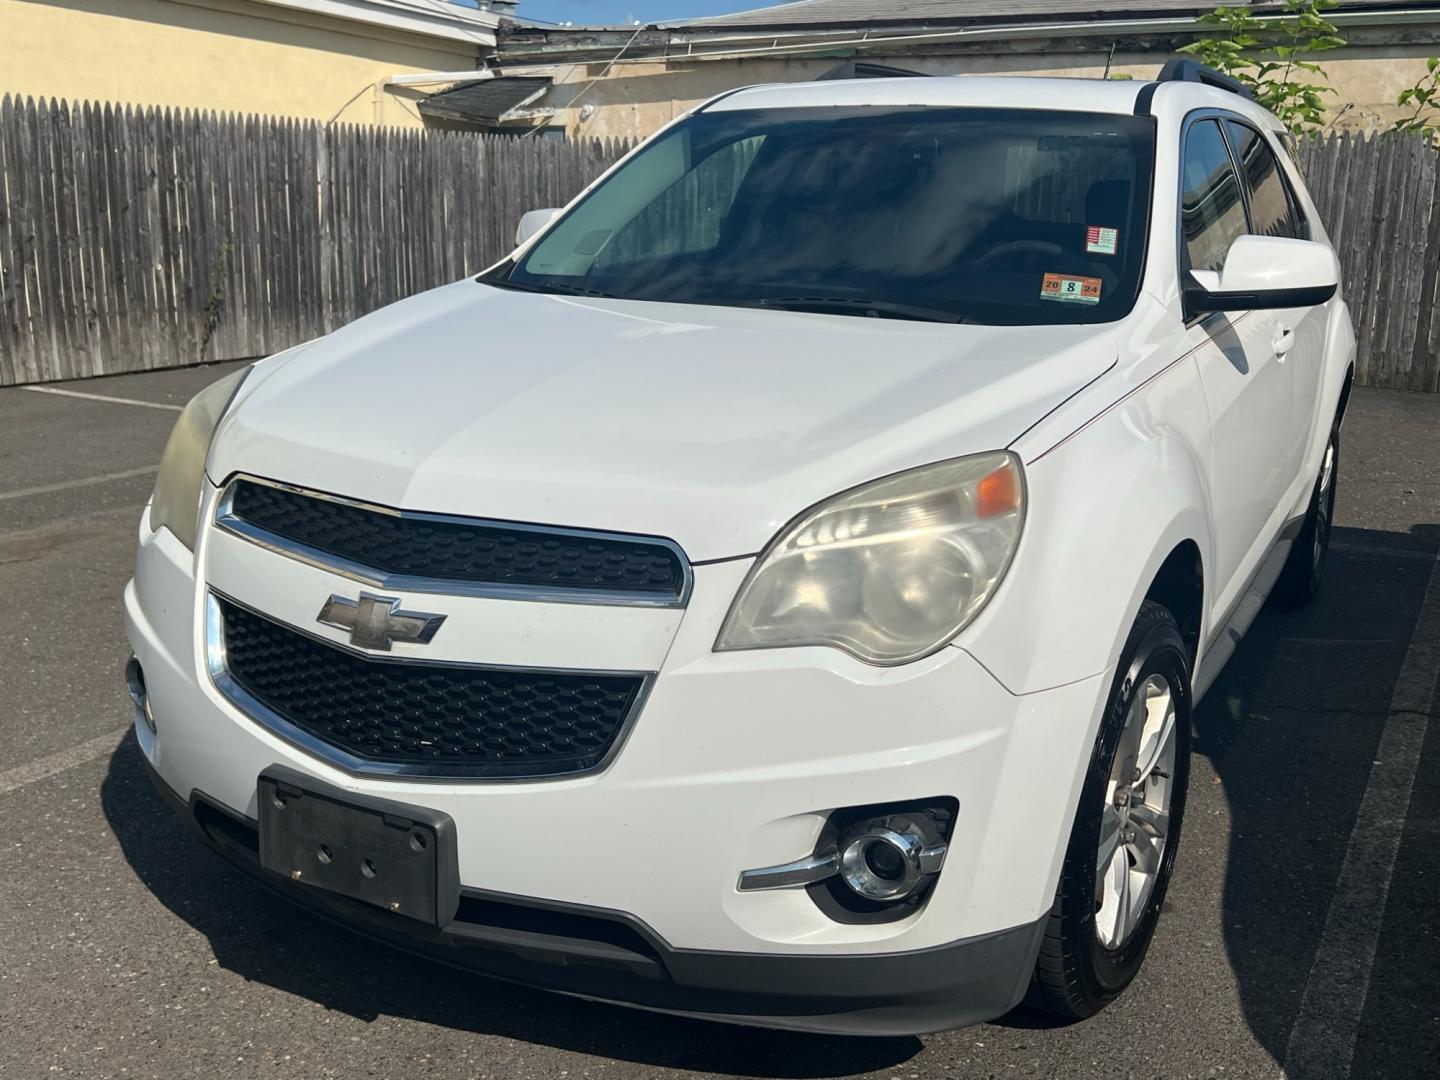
(1018, 247)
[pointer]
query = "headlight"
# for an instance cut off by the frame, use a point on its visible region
(176, 505)
(889, 571)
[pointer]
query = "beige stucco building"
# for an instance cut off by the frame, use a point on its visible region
(407, 62)
(629, 81)
(326, 60)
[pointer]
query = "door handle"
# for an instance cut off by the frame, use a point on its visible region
(1284, 340)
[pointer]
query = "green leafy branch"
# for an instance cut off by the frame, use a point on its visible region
(1272, 57)
(1423, 102)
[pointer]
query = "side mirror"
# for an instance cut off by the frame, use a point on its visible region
(1265, 272)
(531, 222)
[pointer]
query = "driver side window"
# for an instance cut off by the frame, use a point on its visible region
(1212, 210)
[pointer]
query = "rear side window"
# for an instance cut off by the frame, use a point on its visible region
(1272, 207)
(1212, 212)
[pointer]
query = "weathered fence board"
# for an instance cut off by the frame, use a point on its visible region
(136, 239)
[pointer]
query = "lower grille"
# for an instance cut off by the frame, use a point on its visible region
(410, 717)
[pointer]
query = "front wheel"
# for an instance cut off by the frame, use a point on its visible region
(1122, 845)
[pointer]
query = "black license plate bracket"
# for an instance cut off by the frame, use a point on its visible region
(394, 856)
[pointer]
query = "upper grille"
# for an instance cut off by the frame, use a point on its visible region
(504, 556)
(418, 717)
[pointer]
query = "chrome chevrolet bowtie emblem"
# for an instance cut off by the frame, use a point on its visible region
(375, 622)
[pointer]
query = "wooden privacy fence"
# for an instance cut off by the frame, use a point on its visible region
(136, 239)
(1379, 197)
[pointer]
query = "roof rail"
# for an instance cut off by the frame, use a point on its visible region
(1179, 69)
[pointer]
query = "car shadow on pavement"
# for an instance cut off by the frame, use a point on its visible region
(262, 938)
(1291, 729)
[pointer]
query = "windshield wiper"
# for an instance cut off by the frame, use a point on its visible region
(843, 305)
(852, 305)
(554, 288)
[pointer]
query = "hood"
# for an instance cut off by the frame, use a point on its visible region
(708, 425)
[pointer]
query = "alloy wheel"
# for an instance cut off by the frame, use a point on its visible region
(1135, 821)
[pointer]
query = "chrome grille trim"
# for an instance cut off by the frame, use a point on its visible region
(227, 520)
(257, 711)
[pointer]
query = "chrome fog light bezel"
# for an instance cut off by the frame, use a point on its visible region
(863, 880)
(835, 873)
(139, 695)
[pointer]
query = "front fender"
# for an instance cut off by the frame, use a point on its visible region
(1340, 350)
(1106, 507)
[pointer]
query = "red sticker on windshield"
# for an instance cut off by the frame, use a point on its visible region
(1071, 290)
(1101, 240)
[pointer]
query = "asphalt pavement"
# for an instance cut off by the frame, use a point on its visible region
(1301, 925)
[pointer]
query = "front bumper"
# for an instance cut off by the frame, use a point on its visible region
(612, 956)
(734, 763)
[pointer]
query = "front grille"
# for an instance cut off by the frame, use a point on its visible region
(448, 549)
(429, 718)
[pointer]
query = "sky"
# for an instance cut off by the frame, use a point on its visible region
(619, 12)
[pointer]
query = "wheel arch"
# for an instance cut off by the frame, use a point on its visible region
(1179, 587)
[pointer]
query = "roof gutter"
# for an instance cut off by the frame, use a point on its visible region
(464, 24)
(800, 42)
(987, 33)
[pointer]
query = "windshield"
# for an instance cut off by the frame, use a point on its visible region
(1003, 216)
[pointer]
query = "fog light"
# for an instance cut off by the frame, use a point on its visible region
(870, 863)
(883, 864)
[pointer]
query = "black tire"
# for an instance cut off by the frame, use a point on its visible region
(1304, 568)
(1075, 975)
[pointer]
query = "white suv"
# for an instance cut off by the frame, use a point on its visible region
(779, 590)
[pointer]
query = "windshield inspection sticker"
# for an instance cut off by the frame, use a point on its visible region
(1071, 290)
(1100, 240)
